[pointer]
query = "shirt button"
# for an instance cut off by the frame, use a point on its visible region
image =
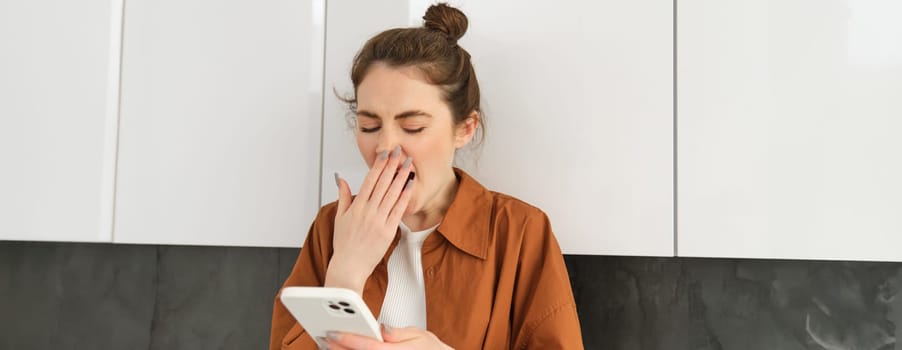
(430, 272)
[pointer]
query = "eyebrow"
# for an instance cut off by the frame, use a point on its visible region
(402, 115)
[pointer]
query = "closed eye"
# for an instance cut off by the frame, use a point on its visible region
(409, 131)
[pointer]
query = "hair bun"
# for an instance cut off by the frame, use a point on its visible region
(446, 19)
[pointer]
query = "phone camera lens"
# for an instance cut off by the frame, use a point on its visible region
(334, 307)
(350, 311)
(344, 303)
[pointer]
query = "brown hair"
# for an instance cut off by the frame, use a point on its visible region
(433, 49)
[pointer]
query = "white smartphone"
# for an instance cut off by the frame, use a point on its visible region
(323, 309)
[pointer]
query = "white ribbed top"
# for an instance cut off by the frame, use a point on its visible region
(405, 299)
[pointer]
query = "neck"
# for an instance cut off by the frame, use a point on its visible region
(435, 208)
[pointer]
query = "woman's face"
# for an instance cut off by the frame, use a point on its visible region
(397, 107)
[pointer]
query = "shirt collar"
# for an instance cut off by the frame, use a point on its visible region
(466, 225)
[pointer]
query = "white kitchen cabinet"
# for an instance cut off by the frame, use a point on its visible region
(789, 122)
(59, 74)
(220, 122)
(578, 98)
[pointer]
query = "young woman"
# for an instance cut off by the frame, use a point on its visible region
(442, 261)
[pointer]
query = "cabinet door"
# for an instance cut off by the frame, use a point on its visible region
(59, 74)
(578, 98)
(220, 125)
(789, 124)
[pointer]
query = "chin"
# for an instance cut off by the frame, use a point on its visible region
(412, 207)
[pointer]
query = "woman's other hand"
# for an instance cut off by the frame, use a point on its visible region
(365, 226)
(395, 339)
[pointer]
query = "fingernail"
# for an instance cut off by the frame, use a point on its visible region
(322, 343)
(383, 155)
(337, 183)
(407, 162)
(386, 328)
(333, 336)
(396, 152)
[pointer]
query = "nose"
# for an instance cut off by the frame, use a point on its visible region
(387, 142)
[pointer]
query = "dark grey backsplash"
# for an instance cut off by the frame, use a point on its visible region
(708, 304)
(104, 296)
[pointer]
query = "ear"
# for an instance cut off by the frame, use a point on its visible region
(465, 131)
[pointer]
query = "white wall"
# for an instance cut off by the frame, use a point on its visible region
(789, 120)
(59, 73)
(220, 122)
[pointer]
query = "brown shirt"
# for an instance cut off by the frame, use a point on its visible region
(493, 271)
